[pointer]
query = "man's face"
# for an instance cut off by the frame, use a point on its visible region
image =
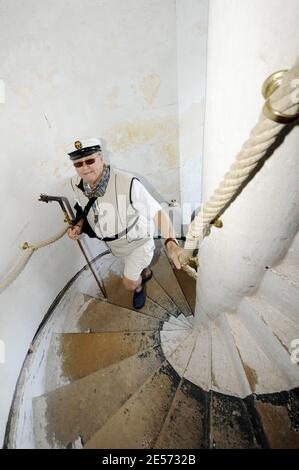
(91, 169)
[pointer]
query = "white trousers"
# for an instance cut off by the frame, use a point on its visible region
(138, 259)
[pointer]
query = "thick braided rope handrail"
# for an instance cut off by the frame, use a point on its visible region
(285, 100)
(30, 248)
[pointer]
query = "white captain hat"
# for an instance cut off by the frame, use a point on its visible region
(84, 147)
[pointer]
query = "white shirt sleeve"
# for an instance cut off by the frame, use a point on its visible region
(143, 201)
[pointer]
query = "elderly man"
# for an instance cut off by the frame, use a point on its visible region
(115, 207)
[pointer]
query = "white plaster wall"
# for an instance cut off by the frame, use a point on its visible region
(247, 41)
(74, 68)
(192, 32)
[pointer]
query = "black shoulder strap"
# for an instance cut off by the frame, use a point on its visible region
(88, 206)
(83, 214)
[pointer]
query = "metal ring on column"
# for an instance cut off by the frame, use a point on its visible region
(276, 116)
(269, 86)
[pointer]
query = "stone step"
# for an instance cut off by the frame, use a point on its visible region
(186, 320)
(285, 329)
(81, 408)
(279, 417)
(156, 295)
(76, 355)
(167, 326)
(288, 271)
(199, 368)
(118, 295)
(230, 423)
(177, 323)
(227, 371)
(170, 340)
(77, 305)
(102, 267)
(165, 276)
(139, 421)
(187, 423)
(280, 287)
(266, 363)
(102, 316)
(181, 357)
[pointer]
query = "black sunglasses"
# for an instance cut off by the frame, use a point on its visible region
(88, 162)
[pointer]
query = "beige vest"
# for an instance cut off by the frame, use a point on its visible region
(113, 214)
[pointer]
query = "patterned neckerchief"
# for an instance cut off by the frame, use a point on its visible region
(101, 186)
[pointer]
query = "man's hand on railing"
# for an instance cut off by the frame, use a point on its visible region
(174, 251)
(75, 231)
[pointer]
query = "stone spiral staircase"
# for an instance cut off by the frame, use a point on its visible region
(119, 378)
